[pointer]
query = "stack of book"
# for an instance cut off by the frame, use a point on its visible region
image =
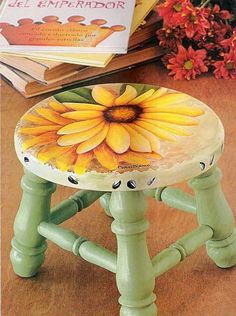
(34, 73)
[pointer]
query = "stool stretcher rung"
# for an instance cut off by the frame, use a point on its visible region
(60, 236)
(174, 198)
(70, 241)
(76, 203)
(183, 247)
(98, 255)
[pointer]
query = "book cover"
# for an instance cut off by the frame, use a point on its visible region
(82, 26)
(141, 10)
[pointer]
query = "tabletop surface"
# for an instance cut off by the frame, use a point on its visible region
(193, 288)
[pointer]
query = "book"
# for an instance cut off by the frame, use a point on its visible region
(29, 87)
(50, 71)
(42, 70)
(98, 60)
(56, 26)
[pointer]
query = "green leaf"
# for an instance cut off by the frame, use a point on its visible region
(69, 96)
(85, 93)
(139, 88)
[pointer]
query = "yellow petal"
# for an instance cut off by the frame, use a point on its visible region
(178, 109)
(46, 153)
(158, 93)
(118, 138)
(177, 119)
(85, 106)
(82, 162)
(169, 127)
(82, 115)
(155, 130)
(103, 96)
(38, 129)
(141, 98)
(129, 94)
(133, 158)
(57, 106)
(36, 119)
(53, 116)
(106, 157)
(65, 161)
(76, 138)
(94, 141)
(137, 141)
(150, 136)
(79, 126)
(168, 99)
(43, 139)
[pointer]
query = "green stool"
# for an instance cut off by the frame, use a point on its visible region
(120, 142)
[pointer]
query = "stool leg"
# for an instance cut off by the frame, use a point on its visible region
(213, 210)
(28, 247)
(135, 276)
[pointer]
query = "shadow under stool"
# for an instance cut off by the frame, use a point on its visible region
(119, 143)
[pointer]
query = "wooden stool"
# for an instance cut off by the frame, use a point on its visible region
(120, 142)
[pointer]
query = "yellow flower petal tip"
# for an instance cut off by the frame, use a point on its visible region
(106, 157)
(129, 94)
(103, 96)
(76, 138)
(80, 126)
(141, 98)
(57, 106)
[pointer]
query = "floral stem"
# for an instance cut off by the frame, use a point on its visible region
(205, 3)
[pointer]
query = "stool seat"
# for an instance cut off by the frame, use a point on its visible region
(119, 137)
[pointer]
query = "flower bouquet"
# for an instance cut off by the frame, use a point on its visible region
(200, 37)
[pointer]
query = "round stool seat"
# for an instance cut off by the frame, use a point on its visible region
(119, 137)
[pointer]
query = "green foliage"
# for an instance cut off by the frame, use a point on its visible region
(77, 95)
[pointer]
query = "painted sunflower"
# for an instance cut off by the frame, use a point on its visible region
(115, 128)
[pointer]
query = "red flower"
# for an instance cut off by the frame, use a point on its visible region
(170, 37)
(171, 12)
(229, 42)
(226, 68)
(222, 14)
(195, 20)
(187, 63)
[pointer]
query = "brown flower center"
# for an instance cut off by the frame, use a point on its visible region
(230, 65)
(177, 7)
(188, 65)
(122, 114)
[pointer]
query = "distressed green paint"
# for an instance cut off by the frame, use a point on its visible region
(214, 211)
(135, 275)
(28, 246)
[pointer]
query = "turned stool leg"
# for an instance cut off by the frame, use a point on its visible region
(135, 275)
(213, 210)
(28, 247)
